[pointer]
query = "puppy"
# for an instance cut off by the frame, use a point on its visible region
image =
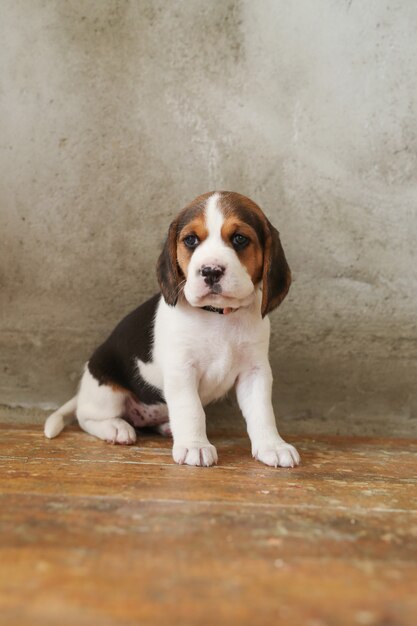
(221, 271)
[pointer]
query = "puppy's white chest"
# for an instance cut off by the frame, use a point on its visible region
(217, 373)
(202, 348)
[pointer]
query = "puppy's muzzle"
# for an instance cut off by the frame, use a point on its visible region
(212, 274)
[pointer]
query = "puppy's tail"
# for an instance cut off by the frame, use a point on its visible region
(61, 418)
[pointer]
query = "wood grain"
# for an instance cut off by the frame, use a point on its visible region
(99, 534)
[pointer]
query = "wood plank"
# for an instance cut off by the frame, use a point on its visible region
(379, 457)
(144, 561)
(355, 474)
(98, 534)
(258, 487)
(66, 522)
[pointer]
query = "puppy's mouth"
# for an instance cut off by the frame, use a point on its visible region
(218, 299)
(216, 295)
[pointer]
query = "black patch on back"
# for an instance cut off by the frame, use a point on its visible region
(114, 362)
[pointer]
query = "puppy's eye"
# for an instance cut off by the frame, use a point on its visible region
(191, 241)
(239, 241)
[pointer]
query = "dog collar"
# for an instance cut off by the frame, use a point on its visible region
(214, 309)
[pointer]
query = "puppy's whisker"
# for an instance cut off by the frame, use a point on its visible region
(180, 287)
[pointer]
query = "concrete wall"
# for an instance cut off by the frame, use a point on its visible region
(114, 114)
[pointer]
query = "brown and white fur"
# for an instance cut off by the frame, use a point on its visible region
(221, 271)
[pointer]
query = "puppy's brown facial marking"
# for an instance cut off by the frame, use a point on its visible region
(190, 236)
(245, 241)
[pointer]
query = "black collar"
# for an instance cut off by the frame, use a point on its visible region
(213, 309)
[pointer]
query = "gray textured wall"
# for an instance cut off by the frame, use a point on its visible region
(114, 114)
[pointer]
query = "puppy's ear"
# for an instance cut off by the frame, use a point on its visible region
(167, 269)
(276, 278)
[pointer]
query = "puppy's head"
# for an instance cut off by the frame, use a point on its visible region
(219, 251)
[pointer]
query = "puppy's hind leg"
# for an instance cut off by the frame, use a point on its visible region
(99, 411)
(164, 429)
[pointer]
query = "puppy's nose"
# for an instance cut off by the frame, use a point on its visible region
(211, 274)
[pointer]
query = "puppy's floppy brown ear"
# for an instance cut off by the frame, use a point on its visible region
(167, 269)
(276, 277)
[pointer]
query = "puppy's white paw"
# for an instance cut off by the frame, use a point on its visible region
(116, 430)
(192, 454)
(277, 455)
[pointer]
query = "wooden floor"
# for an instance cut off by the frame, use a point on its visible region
(103, 535)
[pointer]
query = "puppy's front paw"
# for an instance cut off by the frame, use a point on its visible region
(277, 455)
(194, 454)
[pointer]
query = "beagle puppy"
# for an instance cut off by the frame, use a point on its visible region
(221, 271)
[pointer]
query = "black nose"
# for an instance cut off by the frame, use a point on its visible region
(212, 275)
